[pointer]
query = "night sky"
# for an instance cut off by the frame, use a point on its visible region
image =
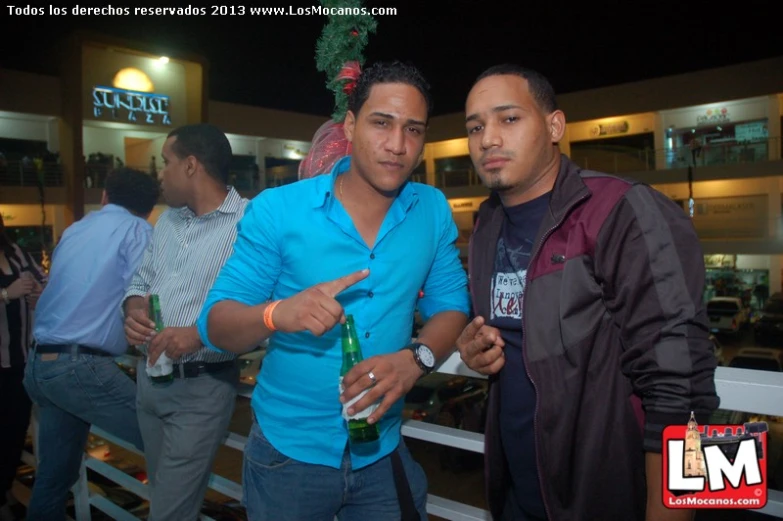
(269, 61)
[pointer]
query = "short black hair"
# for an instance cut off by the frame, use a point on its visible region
(539, 86)
(388, 72)
(135, 191)
(208, 144)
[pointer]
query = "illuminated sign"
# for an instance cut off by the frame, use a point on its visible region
(608, 129)
(130, 106)
(464, 204)
(713, 116)
(295, 150)
(130, 78)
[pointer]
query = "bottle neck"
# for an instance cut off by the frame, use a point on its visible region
(351, 348)
(350, 339)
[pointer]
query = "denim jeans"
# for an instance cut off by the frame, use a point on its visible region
(278, 488)
(72, 392)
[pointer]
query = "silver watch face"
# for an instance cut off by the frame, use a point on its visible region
(426, 356)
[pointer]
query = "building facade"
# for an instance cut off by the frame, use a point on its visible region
(713, 136)
(710, 140)
(114, 104)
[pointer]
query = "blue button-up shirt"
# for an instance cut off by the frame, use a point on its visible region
(299, 235)
(92, 267)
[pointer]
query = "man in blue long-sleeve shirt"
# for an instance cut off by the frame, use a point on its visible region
(362, 241)
(71, 374)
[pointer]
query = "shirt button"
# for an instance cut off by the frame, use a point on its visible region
(370, 294)
(372, 255)
(367, 334)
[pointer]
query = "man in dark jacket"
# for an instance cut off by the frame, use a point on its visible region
(587, 291)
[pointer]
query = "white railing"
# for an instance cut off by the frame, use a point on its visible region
(742, 390)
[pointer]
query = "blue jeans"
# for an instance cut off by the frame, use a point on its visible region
(278, 488)
(72, 392)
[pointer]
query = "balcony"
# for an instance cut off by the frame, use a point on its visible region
(745, 390)
(721, 154)
(26, 174)
(457, 177)
(759, 158)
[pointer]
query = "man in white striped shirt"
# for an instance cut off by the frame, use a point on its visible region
(183, 422)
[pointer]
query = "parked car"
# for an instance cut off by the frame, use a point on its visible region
(727, 314)
(758, 358)
(768, 330)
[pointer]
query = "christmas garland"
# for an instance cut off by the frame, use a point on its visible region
(340, 55)
(341, 45)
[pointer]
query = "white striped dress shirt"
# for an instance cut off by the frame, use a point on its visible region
(183, 260)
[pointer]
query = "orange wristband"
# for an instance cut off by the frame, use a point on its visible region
(268, 316)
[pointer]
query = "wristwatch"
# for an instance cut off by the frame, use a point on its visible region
(423, 355)
(4, 294)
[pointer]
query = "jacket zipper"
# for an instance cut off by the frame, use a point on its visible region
(524, 353)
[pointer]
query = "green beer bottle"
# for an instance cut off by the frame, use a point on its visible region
(359, 431)
(163, 370)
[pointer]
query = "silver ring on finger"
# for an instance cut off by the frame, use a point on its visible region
(372, 377)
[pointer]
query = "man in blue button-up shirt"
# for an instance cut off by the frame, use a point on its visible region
(361, 241)
(71, 374)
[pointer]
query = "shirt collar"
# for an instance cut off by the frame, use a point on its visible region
(231, 204)
(324, 186)
(109, 207)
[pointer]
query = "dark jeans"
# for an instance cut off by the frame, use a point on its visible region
(513, 512)
(15, 413)
(278, 488)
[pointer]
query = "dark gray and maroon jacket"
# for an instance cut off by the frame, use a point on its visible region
(615, 340)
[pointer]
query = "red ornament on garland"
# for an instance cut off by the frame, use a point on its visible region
(354, 33)
(350, 71)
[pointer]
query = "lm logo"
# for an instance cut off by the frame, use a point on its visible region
(717, 466)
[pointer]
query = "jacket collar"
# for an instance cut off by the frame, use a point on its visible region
(568, 190)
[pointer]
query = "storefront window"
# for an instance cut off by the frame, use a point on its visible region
(419, 174)
(717, 144)
(281, 171)
(244, 174)
(455, 171)
(741, 276)
(616, 155)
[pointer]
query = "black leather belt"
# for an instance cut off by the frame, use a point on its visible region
(68, 349)
(194, 369)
